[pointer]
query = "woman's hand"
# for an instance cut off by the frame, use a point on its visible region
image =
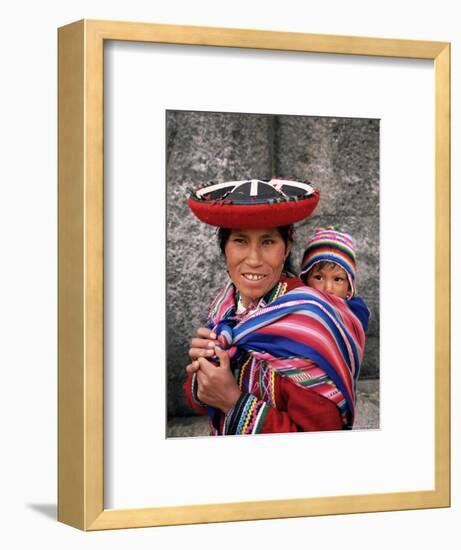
(203, 345)
(216, 384)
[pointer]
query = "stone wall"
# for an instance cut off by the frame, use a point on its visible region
(340, 156)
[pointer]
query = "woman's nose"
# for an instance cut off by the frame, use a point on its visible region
(254, 255)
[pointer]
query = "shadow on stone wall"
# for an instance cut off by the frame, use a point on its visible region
(340, 156)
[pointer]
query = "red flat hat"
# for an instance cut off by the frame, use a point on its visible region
(253, 204)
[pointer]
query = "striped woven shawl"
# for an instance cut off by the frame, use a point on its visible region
(296, 330)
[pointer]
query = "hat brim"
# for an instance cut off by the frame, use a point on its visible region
(254, 216)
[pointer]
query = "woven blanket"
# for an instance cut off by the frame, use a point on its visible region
(302, 327)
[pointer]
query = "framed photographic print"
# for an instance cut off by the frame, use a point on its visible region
(148, 111)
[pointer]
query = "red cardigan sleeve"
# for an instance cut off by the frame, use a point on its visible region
(190, 392)
(300, 410)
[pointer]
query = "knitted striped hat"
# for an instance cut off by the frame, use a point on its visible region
(329, 244)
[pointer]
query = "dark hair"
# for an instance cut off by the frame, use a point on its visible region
(324, 264)
(286, 232)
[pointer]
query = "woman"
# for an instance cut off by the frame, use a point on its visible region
(276, 356)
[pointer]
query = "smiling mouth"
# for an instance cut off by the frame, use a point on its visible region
(253, 276)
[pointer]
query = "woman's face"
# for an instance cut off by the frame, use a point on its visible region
(255, 259)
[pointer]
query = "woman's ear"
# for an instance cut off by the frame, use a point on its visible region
(288, 249)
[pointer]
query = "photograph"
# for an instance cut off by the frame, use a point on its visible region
(272, 273)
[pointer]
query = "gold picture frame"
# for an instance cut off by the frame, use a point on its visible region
(81, 269)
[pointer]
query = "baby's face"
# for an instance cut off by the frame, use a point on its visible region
(329, 279)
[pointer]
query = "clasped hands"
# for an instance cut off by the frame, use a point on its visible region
(216, 385)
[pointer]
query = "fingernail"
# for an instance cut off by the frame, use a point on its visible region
(212, 335)
(211, 344)
(210, 352)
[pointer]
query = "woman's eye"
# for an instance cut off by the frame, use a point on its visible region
(268, 241)
(238, 240)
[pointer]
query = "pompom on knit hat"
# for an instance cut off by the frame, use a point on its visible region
(329, 244)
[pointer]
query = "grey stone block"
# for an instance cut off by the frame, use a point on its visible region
(339, 155)
(370, 366)
(367, 405)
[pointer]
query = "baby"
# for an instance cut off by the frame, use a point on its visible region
(329, 263)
